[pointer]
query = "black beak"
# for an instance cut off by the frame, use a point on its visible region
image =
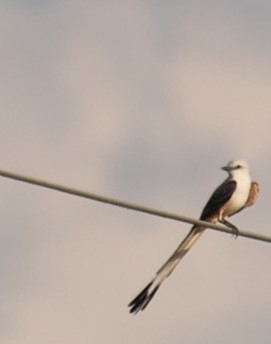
(226, 168)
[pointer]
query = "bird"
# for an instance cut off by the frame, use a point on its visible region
(236, 193)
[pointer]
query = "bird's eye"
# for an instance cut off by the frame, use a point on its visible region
(238, 166)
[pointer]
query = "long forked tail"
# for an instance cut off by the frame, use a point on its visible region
(141, 301)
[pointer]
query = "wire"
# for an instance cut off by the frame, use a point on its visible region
(128, 205)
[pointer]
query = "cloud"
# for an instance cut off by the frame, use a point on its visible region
(143, 102)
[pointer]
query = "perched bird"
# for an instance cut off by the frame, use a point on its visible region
(233, 195)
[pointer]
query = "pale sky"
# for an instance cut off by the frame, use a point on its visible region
(142, 101)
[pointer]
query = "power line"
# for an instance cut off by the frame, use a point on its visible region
(128, 205)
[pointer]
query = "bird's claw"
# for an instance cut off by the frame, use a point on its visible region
(235, 231)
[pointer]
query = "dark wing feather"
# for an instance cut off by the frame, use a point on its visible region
(219, 197)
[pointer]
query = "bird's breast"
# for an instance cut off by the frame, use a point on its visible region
(239, 197)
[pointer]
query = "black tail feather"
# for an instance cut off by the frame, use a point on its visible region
(140, 302)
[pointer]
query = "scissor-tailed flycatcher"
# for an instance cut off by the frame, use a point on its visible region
(234, 194)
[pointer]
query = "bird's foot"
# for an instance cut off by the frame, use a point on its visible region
(235, 231)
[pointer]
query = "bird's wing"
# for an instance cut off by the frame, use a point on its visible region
(219, 197)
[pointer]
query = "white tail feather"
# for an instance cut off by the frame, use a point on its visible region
(140, 302)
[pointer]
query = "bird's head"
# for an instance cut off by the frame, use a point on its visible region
(236, 166)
